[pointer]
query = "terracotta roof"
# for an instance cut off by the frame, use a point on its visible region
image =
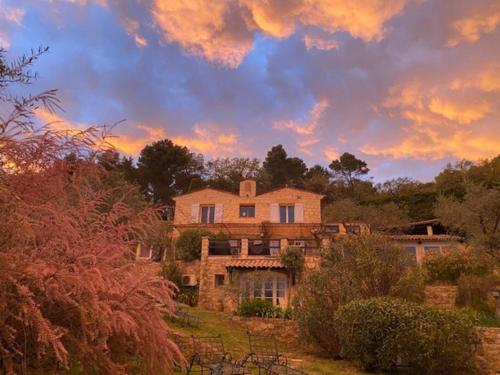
(205, 188)
(425, 237)
(293, 188)
(255, 263)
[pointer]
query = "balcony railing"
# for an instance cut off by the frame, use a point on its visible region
(229, 247)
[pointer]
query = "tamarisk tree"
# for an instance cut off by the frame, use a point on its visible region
(71, 295)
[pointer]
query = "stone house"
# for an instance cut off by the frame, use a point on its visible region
(258, 227)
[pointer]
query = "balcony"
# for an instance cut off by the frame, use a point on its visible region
(224, 248)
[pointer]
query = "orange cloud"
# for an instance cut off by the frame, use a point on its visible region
(211, 140)
(222, 31)
(487, 80)
(322, 44)
(463, 113)
(123, 143)
(330, 153)
(305, 127)
(469, 29)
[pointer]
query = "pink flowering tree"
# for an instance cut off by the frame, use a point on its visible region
(71, 294)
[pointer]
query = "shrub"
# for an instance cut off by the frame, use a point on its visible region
(450, 265)
(474, 292)
(293, 259)
(263, 309)
(172, 272)
(358, 267)
(188, 245)
(256, 307)
(382, 333)
(411, 287)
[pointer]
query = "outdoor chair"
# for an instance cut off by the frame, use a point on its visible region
(210, 356)
(265, 355)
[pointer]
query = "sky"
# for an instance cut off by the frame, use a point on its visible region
(407, 85)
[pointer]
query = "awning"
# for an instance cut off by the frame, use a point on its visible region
(255, 263)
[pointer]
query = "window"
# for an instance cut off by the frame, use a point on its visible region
(287, 214)
(247, 211)
(219, 280)
(261, 247)
(207, 214)
(228, 247)
(353, 229)
(271, 288)
(331, 228)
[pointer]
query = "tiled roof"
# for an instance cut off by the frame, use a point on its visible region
(255, 263)
(425, 237)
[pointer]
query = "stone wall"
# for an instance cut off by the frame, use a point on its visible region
(441, 295)
(489, 351)
(285, 330)
(231, 205)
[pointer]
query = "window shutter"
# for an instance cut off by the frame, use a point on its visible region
(299, 212)
(275, 213)
(195, 213)
(218, 213)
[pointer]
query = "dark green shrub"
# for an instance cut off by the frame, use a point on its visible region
(450, 265)
(256, 307)
(293, 258)
(172, 272)
(188, 295)
(188, 245)
(411, 287)
(354, 268)
(475, 292)
(382, 333)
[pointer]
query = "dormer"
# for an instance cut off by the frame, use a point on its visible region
(248, 188)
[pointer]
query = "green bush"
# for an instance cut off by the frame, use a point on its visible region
(382, 333)
(188, 245)
(264, 309)
(172, 272)
(449, 266)
(410, 287)
(188, 295)
(357, 267)
(293, 259)
(474, 292)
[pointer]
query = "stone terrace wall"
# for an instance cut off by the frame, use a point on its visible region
(489, 352)
(285, 330)
(441, 296)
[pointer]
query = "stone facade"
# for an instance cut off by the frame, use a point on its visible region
(489, 351)
(441, 296)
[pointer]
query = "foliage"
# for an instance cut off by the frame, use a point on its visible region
(70, 291)
(475, 292)
(293, 259)
(279, 169)
(450, 265)
(478, 215)
(349, 168)
(411, 287)
(356, 267)
(481, 319)
(171, 271)
(263, 308)
(227, 173)
(188, 245)
(165, 169)
(348, 211)
(317, 179)
(380, 333)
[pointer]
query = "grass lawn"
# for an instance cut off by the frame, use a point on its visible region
(236, 343)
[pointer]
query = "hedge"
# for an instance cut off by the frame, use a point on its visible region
(384, 333)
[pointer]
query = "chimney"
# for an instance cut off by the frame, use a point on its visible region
(248, 188)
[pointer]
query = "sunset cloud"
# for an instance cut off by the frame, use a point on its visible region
(469, 29)
(407, 85)
(222, 31)
(211, 140)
